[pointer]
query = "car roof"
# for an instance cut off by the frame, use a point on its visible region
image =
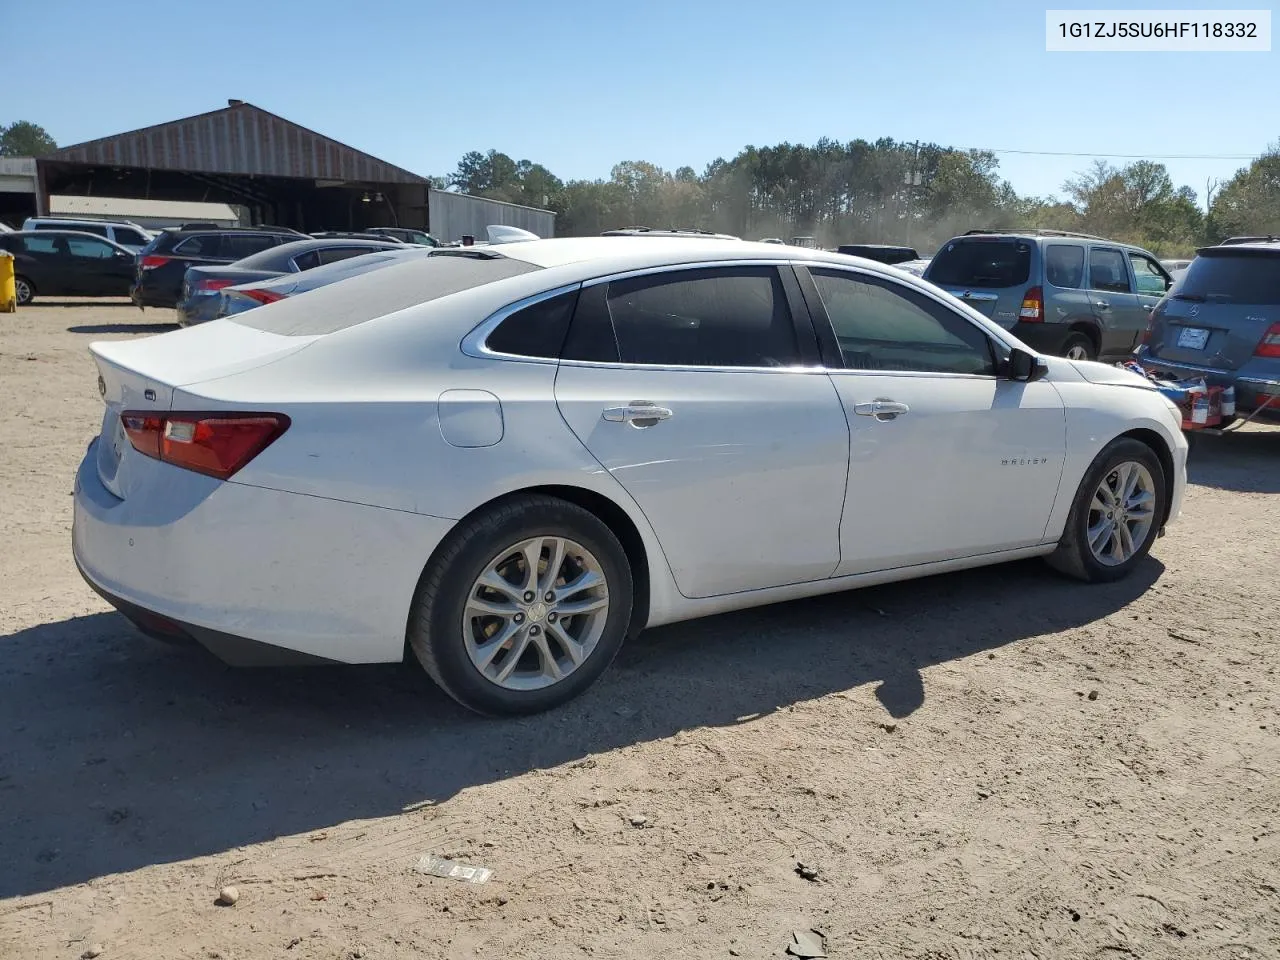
(58, 233)
(616, 254)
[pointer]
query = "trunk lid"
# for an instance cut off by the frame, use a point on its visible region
(142, 375)
(1219, 310)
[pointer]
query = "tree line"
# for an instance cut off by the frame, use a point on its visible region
(882, 192)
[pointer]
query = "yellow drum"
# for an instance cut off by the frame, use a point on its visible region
(8, 291)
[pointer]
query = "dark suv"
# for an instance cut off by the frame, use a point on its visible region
(1221, 321)
(1069, 294)
(164, 261)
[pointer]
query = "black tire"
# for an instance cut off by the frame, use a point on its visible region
(1073, 556)
(21, 283)
(1081, 341)
(436, 618)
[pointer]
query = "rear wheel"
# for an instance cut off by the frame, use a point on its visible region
(25, 290)
(1077, 346)
(523, 607)
(1116, 514)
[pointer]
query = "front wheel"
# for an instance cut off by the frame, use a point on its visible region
(1115, 516)
(523, 607)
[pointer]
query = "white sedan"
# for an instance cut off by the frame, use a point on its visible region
(509, 459)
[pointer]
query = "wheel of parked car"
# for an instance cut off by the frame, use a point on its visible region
(523, 607)
(1116, 514)
(1078, 347)
(25, 290)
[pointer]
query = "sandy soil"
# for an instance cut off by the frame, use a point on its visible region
(993, 764)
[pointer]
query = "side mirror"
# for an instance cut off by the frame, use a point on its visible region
(1025, 367)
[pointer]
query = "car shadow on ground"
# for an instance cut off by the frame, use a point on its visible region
(1242, 461)
(123, 328)
(117, 753)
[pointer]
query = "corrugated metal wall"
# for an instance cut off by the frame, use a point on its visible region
(240, 139)
(450, 216)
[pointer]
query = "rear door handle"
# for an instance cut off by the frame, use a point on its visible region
(1103, 304)
(881, 409)
(638, 413)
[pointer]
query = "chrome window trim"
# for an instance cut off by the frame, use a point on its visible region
(473, 344)
(680, 267)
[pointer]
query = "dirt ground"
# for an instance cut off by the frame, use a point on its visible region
(998, 763)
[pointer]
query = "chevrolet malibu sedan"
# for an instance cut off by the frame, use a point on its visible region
(507, 460)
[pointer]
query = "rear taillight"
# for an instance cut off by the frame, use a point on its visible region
(215, 444)
(1032, 306)
(1146, 334)
(1269, 345)
(263, 296)
(152, 260)
(210, 285)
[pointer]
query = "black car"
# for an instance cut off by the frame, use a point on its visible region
(880, 252)
(201, 286)
(67, 263)
(163, 263)
(407, 235)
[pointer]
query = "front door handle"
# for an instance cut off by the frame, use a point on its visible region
(1102, 304)
(881, 409)
(638, 413)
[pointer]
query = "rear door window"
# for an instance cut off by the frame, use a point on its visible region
(982, 264)
(718, 317)
(1064, 265)
(1234, 278)
(43, 246)
(1107, 270)
(128, 237)
(237, 246)
(307, 261)
(201, 245)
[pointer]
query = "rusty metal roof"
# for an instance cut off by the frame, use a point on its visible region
(240, 140)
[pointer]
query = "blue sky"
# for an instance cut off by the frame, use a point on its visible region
(580, 85)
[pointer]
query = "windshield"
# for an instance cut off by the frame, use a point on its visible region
(990, 264)
(1235, 278)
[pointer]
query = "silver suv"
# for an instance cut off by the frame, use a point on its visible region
(1069, 294)
(1221, 321)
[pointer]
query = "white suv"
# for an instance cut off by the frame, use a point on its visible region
(122, 232)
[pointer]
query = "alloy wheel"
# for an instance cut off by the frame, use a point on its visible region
(1121, 513)
(536, 613)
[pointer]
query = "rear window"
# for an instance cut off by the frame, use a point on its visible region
(1232, 279)
(343, 305)
(984, 264)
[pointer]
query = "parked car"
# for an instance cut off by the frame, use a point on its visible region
(1221, 321)
(449, 455)
(67, 263)
(201, 285)
(123, 233)
(5, 228)
(248, 296)
(164, 262)
(914, 267)
(1069, 294)
(406, 235)
(353, 235)
(880, 252)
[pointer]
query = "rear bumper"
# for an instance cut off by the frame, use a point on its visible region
(254, 575)
(1252, 389)
(198, 310)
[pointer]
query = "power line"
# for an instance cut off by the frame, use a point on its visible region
(1130, 156)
